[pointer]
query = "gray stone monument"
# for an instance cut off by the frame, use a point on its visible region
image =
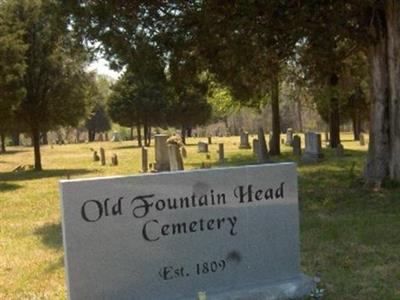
(313, 151)
(262, 150)
(184, 152)
(102, 157)
(255, 146)
(170, 236)
(209, 140)
(96, 157)
(161, 153)
(244, 140)
(289, 137)
(145, 160)
(202, 147)
(114, 160)
(296, 145)
(362, 139)
(175, 158)
(221, 154)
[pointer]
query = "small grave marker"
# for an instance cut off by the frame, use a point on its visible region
(102, 157)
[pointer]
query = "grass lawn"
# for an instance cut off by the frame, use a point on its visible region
(348, 233)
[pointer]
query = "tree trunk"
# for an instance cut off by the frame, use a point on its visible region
(3, 142)
(276, 127)
(356, 121)
(393, 58)
(183, 135)
(299, 114)
(334, 114)
(36, 149)
(384, 144)
(145, 133)
(189, 132)
(91, 135)
(377, 166)
(15, 138)
(139, 135)
(148, 136)
(131, 134)
(44, 139)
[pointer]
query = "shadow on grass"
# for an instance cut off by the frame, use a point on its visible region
(128, 147)
(10, 152)
(50, 235)
(31, 174)
(5, 187)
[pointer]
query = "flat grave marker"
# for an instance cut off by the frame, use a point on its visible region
(232, 233)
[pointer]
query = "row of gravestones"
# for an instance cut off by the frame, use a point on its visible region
(169, 155)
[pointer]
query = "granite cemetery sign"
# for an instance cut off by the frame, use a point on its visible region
(229, 232)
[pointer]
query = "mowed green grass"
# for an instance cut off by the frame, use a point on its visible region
(348, 233)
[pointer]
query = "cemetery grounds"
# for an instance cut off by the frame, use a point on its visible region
(349, 234)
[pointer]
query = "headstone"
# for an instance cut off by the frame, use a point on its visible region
(175, 158)
(145, 160)
(312, 152)
(296, 144)
(262, 150)
(202, 147)
(96, 157)
(184, 152)
(161, 153)
(255, 146)
(221, 153)
(114, 160)
(339, 150)
(289, 136)
(244, 140)
(116, 137)
(101, 138)
(102, 157)
(173, 235)
(209, 140)
(362, 139)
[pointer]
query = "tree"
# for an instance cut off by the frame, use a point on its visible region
(98, 119)
(12, 66)
(140, 97)
(54, 77)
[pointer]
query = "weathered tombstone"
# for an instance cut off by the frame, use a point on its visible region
(184, 152)
(313, 152)
(175, 158)
(362, 139)
(116, 137)
(161, 153)
(244, 140)
(255, 146)
(171, 236)
(102, 157)
(221, 153)
(289, 136)
(339, 150)
(101, 138)
(202, 147)
(209, 140)
(145, 160)
(114, 160)
(262, 150)
(96, 157)
(296, 144)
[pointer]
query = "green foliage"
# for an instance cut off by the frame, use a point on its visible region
(96, 96)
(140, 95)
(12, 67)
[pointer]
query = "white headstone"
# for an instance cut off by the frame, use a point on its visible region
(232, 233)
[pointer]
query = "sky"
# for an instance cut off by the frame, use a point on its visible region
(101, 67)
